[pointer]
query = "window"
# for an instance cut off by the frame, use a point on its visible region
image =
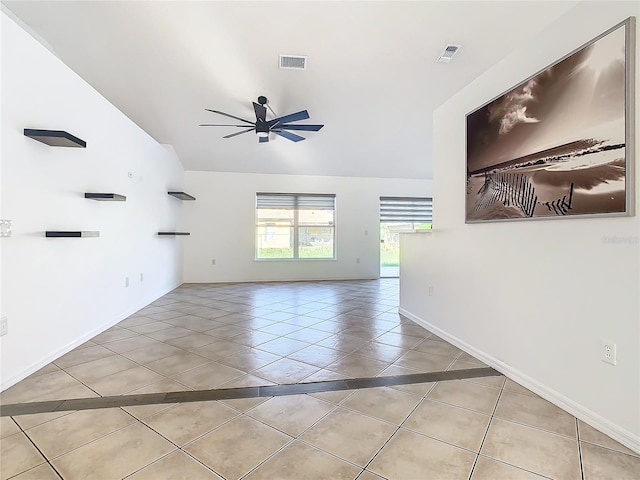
(295, 225)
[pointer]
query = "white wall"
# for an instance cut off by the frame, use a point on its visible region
(222, 225)
(57, 293)
(534, 298)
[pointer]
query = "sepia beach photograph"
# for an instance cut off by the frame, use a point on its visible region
(555, 145)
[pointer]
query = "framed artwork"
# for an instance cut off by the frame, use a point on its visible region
(560, 144)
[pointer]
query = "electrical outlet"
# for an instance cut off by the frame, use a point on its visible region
(213, 261)
(142, 277)
(4, 326)
(357, 260)
(5, 228)
(608, 352)
(126, 281)
(430, 290)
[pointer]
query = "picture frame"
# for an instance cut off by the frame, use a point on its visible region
(560, 144)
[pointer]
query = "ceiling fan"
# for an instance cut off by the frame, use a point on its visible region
(262, 126)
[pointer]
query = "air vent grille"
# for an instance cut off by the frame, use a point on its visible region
(448, 53)
(293, 62)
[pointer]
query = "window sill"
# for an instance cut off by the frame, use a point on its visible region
(411, 232)
(295, 259)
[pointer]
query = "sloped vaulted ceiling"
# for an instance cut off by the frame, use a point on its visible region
(371, 79)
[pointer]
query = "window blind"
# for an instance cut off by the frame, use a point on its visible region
(406, 209)
(296, 201)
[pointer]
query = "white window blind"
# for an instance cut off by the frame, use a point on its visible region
(406, 210)
(298, 201)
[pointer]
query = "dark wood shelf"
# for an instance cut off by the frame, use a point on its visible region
(71, 234)
(181, 195)
(173, 234)
(106, 197)
(55, 138)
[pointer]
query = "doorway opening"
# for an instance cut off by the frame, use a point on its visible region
(400, 215)
(389, 250)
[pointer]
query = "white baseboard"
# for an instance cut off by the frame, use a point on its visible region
(598, 422)
(281, 280)
(6, 383)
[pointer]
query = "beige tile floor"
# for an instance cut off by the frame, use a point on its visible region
(217, 336)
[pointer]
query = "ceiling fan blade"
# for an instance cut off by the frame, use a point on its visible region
(288, 135)
(230, 116)
(306, 128)
(239, 133)
(263, 139)
(261, 111)
(292, 117)
(220, 125)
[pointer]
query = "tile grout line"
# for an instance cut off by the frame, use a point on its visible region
(299, 439)
(46, 459)
(296, 437)
(293, 437)
(105, 345)
(120, 354)
(439, 439)
(109, 375)
(178, 447)
(486, 432)
(49, 401)
(579, 450)
(299, 435)
(230, 339)
(265, 460)
(399, 427)
(492, 417)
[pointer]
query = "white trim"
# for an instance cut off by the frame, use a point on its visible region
(7, 383)
(285, 280)
(412, 232)
(619, 434)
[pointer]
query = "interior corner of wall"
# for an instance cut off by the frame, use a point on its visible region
(168, 147)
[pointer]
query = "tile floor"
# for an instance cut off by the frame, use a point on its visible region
(233, 335)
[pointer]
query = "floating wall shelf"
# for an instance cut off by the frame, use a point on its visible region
(106, 197)
(173, 233)
(60, 234)
(181, 195)
(55, 138)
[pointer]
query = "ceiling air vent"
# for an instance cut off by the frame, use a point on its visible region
(293, 62)
(448, 53)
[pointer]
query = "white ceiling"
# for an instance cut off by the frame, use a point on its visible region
(371, 80)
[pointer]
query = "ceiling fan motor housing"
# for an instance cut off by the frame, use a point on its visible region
(261, 126)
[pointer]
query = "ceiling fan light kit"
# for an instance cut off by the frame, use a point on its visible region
(279, 125)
